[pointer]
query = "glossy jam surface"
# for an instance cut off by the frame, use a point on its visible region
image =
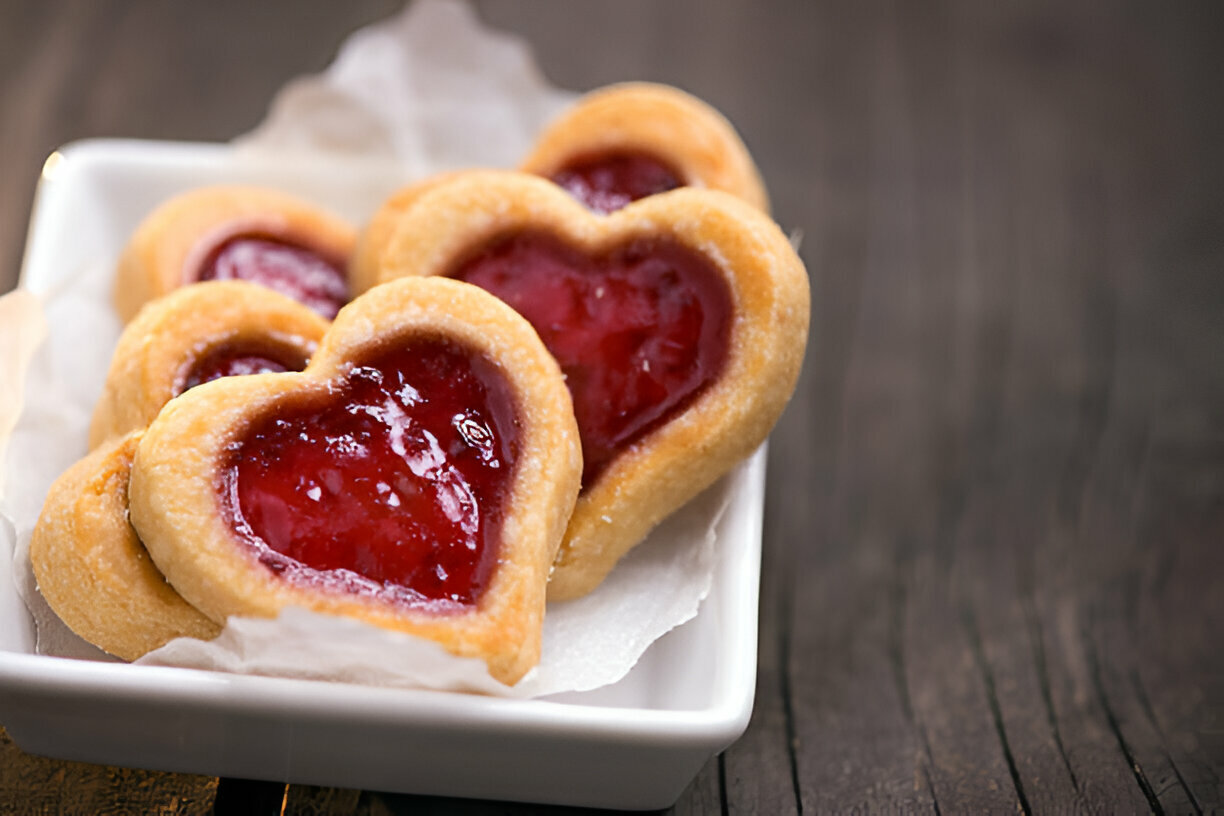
(639, 332)
(291, 269)
(239, 357)
(607, 183)
(393, 483)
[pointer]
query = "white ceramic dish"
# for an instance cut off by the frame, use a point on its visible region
(633, 745)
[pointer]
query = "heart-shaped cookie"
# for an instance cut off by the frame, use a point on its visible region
(680, 322)
(417, 475)
(90, 565)
(237, 233)
(195, 334)
(625, 142)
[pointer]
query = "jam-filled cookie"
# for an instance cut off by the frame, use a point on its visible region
(680, 322)
(628, 141)
(239, 233)
(417, 475)
(92, 568)
(196, 334)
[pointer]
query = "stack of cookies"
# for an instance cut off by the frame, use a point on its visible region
(476, 404)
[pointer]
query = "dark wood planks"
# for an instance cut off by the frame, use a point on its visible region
(979, 543)
(30, 784)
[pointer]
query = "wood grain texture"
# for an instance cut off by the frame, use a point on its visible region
(993, 577)
(30, 784)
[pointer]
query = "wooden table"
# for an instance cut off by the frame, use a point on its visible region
(994, 544)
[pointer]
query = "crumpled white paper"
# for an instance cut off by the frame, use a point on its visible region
(435, 90)
(431, 87)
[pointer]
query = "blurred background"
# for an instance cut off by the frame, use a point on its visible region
(825, 93)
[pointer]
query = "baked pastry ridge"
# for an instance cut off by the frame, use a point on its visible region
(242, 233)
(680, 322)
(90, 564)
(626, 141)
(92, 568)
(616, 144)
(417, 476)
(197, 333)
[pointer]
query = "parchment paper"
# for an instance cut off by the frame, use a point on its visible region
(435, 90)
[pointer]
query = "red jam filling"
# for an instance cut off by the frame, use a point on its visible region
(239, 357)
(393, 484)
(607, 183)
(638, 332)
(307, 276)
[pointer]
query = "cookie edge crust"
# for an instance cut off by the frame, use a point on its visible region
(170, 332)
(92, 568)
(174, 479)
(771, 295)
(377, 232)
(676, 127)
(180, 231)
(725, 423)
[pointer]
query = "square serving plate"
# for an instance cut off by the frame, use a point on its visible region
(633, 745)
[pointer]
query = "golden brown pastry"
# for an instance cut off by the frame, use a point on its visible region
(376, 234)
(243, 233)
(615, 145)
(680, 322)
(624, 142)
(417, 475)
(194, 334)
(91, 566)
(92, 569)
